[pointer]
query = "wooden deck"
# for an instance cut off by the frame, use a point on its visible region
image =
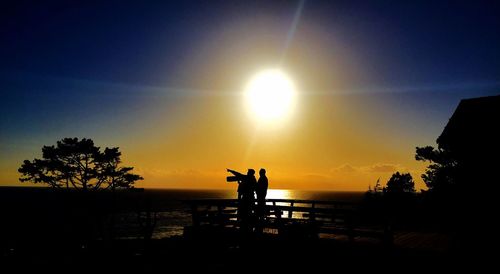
(290, 218)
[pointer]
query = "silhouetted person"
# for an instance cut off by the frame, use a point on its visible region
(262, 185)
(246, 188)
(261, 191)
(252, 184)
(246, 184)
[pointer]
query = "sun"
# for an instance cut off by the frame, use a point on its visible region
(270, 96)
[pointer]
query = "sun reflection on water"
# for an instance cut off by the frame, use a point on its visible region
(279, 194)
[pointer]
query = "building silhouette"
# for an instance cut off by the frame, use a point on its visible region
(472, 137)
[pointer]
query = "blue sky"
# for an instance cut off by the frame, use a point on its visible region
(113, 70)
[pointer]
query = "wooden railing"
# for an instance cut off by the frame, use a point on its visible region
(312, 218)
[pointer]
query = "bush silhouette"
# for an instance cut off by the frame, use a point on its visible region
(400, 183)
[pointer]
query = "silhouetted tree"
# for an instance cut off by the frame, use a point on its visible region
(79, 164)
(400, 183)
(441, 174)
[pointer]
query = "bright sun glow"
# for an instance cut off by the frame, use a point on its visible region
(270, 95)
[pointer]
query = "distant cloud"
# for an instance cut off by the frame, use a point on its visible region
(383, 168)
(345, 168)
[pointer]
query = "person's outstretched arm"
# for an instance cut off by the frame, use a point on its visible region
(235, 173)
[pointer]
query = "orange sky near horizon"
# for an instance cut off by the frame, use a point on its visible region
(330, 142)
(326, 144)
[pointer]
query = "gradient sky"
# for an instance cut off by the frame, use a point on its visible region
(164, 82)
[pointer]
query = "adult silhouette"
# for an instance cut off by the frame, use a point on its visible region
(262, 185)
(261, 191)
(246, 184)
(246, 189)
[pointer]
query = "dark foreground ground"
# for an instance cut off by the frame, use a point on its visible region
(266, 254)
(53, 232)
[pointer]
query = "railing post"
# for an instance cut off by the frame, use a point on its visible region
(290, 211)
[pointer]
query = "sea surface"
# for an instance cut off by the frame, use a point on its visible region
(173, 212)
